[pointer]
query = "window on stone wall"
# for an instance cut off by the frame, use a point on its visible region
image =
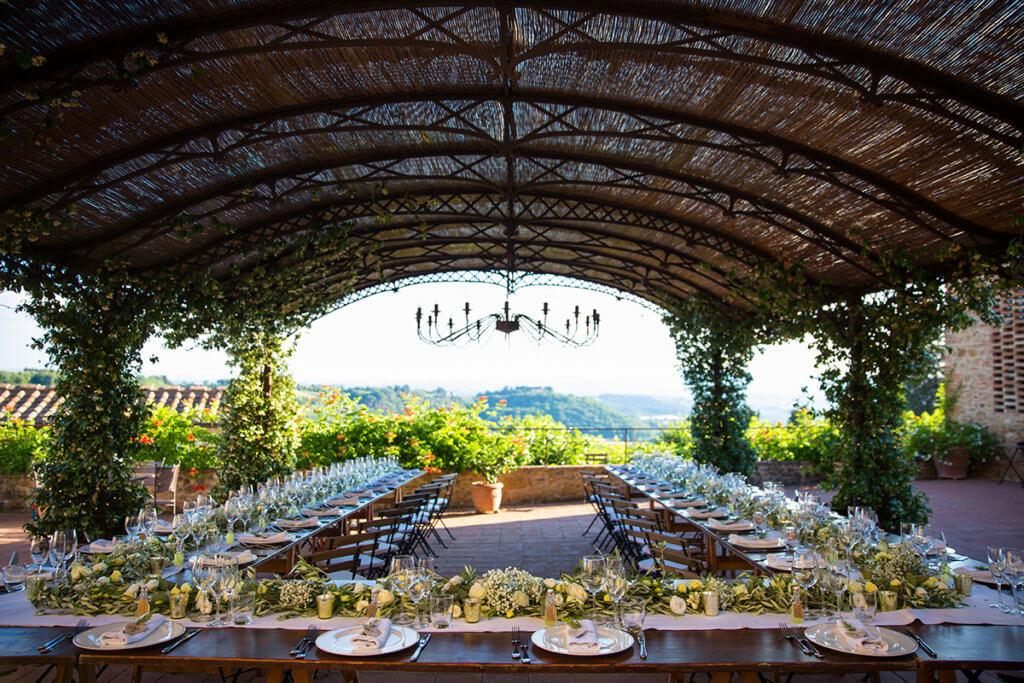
(1008, 354)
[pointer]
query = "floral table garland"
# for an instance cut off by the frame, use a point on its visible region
(112, 585)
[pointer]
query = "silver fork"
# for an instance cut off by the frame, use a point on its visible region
(302, 645)
(788, 634)
(515, 643)
(524, 644)
(54, 642)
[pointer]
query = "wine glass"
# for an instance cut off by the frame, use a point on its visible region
(839, 579)
(399, 577)
(996, 565)
(147, 521)
(39, 549)
(616, 583)
(418, 587)
(864, 606)
(203, 573)
(592, 577)
(223, 585)
(805, 574)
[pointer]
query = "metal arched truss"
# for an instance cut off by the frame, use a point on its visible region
(519, 281)
(657, 148)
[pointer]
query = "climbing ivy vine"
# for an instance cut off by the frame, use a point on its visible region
(714, 344)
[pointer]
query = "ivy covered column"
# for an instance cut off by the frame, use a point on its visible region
(714, 345)
(94, 332)
(259, 411)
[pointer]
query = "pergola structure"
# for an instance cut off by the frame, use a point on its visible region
(659, 148)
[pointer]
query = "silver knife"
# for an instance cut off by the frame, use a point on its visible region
(924, 646)
(643, 644)
(419, 648)
(179, 641)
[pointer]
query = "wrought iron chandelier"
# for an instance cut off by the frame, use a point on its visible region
(576, 333)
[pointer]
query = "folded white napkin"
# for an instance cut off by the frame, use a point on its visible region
(779, 562)
(582, 639)
(706, 514)
(364, 640)
(100, 545)
(325, 512)
(344, 502)
(272, 539)
(120, 638)
(769, 541)
(858, 639)
(740, 525)
(244, 557)
(306, 523)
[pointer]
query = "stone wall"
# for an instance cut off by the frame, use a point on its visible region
(787, 473)
(14, 489)
(972, 370)
(530, 485)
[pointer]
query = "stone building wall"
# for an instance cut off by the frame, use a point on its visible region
(986, 366)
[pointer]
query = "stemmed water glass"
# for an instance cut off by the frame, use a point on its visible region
(204, 572)
(1014, 574)
(224, 580)
(633, 613)
(39, 550)
(400, 576)
(592, 577)
(418, 587)
(805, 575)
(997, 563)
(616, 583)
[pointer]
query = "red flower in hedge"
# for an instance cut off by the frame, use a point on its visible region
(502, 402)
(192, 471)
(146, 440)
(198, 487)
(191, 437)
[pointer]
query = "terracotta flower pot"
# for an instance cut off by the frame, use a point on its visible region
(486, 497)
(954, 464)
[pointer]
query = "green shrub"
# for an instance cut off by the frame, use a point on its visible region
(805, 437)
(21, 443)
(933, 434)
(175, 439)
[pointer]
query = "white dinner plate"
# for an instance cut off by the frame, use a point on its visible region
(339, 641)
(90, 639)
(826, 635)
(611, 640)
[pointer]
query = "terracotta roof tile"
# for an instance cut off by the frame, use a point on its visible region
(37, 403)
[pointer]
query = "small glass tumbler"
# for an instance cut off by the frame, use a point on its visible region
(325, 605)
(964, 584)
(471, 610)
(156, 565)
(242, 606)
(441, 611)
(35, 584)
(710, 603)
(179, 603)
(886, 601)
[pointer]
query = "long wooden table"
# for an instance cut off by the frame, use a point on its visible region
(281, 558)
(717, 652)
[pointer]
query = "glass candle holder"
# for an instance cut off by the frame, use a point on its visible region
(886, 601)
(471, 610)
(179, 603)
(964, 584)
(325, 605)
(156, 565)
(710, 603)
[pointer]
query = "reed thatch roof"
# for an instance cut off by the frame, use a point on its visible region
(643, 145)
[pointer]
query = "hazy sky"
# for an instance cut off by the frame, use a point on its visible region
(373, 342)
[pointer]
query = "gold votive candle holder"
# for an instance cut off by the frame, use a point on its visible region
(887, 601)
(471, 610)
(710, 603)
(325, 605)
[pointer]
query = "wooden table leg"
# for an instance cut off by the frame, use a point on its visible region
(63, 673)
(86, 673)
(711, 548)
(274, 675)
(301, 676)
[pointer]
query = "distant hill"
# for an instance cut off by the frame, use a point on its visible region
(574, 411)
(28, 376)
(644, 405)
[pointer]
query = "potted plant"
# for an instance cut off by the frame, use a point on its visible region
(959, 446)
(953, 446)
(490, 463)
